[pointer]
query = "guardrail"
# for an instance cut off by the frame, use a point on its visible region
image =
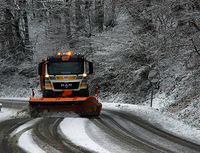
(16, 103)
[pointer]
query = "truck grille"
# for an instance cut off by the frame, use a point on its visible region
(66, 85)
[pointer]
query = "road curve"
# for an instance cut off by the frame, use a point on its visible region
(174, 141)
(47, 131)
(149, 134)
(123, 137)
(114, 131)
(7, 143)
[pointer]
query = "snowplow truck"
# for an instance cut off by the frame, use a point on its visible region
(64, 86)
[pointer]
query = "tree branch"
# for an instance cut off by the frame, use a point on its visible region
(195, 47)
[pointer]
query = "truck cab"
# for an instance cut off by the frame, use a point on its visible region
(65, 75)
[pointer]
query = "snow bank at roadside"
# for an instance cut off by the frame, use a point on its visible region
(69, 126)
(14, 99)
(27, 143)
(161, 101)
(159, 120)
(7, 113)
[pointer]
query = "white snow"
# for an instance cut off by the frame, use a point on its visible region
(6, 114)
(25, 126)
(79, 135)
(27, 143)
(161, 101)
(74, 130)
(14, 98)
(116, 98)
(159, 120)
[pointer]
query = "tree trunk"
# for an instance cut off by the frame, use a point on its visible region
(113, 12)
(87, 8)
(68, 26)
(99, 14)
(80, 22)
(26, 29)
(8, 29)
(110, 15)
(148, 3)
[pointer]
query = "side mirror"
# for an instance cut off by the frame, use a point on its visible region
(90, 68)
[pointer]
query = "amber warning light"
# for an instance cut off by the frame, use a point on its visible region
(69, 53)
(59, 53)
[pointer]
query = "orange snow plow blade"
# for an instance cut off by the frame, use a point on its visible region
(84, 106)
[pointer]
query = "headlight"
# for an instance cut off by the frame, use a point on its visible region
(46, 76)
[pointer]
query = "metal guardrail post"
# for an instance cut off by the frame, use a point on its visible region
(153, 78)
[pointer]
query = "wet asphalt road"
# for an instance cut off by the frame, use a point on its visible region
(112, 130)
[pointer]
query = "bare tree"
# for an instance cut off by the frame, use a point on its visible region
(110, 14)
(68, 25)
(99, 14)
(23, 7)
(80, 21)
(88, 5)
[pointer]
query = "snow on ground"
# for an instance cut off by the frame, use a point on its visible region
(7, 113)
(78, 125)
(159, 120)
(14, 99)
(161, 101)
(80, 138)
(18, 105)
(25, 126)
(151, 115)
(27, 143)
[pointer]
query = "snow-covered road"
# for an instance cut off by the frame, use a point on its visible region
(120, 128)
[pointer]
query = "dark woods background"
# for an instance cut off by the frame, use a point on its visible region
(131, 43)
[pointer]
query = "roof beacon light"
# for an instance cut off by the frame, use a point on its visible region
(59, 53)
(69, 53)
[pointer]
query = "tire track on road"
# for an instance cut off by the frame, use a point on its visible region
(192, 147)
(117, 132)
(9, 144)
(145, 142)
(47, 131)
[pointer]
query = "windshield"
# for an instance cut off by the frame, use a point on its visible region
(64, 68)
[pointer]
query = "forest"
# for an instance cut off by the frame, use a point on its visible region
(140, 48)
